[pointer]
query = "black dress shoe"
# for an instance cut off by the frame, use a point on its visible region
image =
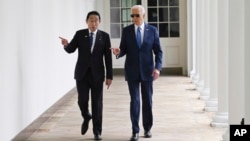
(147, 134)
(98, 137)
(134, 137)
(85, 125)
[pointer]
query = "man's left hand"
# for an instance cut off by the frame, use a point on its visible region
(156, 74)
(108, 82)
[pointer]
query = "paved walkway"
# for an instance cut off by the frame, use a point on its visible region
(178, 115)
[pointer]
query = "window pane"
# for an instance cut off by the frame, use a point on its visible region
(152, 15)
(125, 3)
(120, 15)
(174, 14)
(174, 30)
(114, 3)
(136, 2)
(152, 2)
(115, 15)
(163, 29)
(130, 3)
(115, 30)
(163, 2)
(126, 15)
(174, 2)
(163, 14)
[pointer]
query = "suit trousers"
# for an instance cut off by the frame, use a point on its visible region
(84, 87)
(146, 95)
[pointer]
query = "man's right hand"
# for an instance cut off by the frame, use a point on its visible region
(64, 41)
(116, 51)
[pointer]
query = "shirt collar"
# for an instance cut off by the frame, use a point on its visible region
(142, 26)
(93, 32)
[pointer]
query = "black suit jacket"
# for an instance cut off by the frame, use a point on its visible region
(95, 60)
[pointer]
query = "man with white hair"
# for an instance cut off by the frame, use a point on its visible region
(140, 43)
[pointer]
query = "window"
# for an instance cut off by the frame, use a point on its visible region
(163, 14)
(120, 15)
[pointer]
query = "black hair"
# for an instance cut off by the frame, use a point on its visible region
(93, 13)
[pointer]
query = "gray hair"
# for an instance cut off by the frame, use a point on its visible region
(139, 7)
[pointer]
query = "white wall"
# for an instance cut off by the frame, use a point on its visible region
(35, 71)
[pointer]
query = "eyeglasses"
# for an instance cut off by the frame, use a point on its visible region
(135, 15)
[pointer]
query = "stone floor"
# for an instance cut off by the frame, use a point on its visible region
(178, 115)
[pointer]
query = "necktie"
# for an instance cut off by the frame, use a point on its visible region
(91, 39)
(138, 36)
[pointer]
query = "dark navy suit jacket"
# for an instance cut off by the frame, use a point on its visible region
(94, 60)
(140, 62)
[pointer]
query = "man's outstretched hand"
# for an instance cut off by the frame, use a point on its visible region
(64, 41)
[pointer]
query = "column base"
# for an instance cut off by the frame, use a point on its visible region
(199, 85)
(220, 120)
(194, 76)
(204, 94)
(211, 105)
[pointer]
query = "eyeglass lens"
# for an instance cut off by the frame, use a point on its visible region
(134, 15)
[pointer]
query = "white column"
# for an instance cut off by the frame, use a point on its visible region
(199, 79)
(236, 63)
(194, 75)
(211, 103)
(190, 36)
(246, 60)
(204, 89)
(220, 119)
(196, 24)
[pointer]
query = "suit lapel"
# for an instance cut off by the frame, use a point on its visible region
(86, 38)
(132, 33)
(98, 38)
(146, 33)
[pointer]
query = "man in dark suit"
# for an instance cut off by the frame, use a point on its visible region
(139, 42)
(93, 48)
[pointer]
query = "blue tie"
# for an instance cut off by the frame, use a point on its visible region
(138, 36)
(91, 39)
